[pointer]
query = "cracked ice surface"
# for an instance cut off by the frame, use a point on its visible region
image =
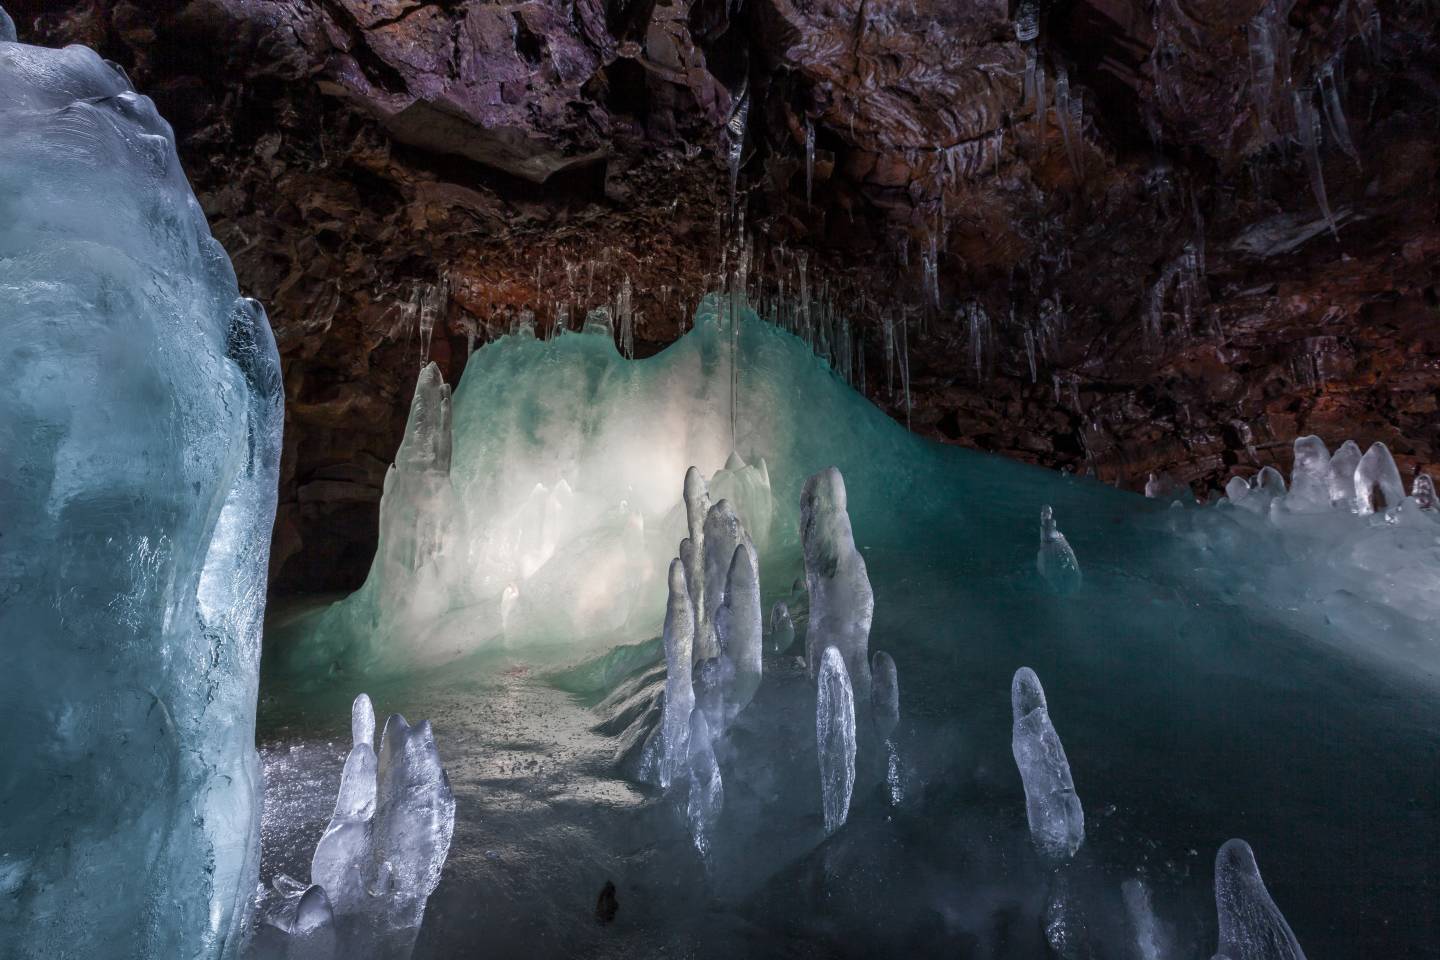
(140, 423)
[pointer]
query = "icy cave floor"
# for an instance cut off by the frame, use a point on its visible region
(1187, 721)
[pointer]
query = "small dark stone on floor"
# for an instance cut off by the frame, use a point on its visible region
(607, 905)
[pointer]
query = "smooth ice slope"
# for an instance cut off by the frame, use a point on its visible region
(140, 428)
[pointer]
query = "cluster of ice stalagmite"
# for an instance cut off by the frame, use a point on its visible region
(140, 419)
(712, 636)
(380, 857)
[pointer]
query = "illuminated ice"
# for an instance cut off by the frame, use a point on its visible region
(1377, 481)
(140, 421)
(738, 626)
(1057, 822)
(679, 638)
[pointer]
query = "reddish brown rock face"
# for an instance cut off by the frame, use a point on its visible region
(352, 154)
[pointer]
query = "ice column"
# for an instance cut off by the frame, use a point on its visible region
(835, 738)
(140, 416)
(1251, 926)
(679, 692)
(1377, 481)
(1343, 463)
(841, 601)
(1057, 822)
(1055, 560)
(1310, 476)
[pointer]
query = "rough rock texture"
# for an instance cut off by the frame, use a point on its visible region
(1153, 238)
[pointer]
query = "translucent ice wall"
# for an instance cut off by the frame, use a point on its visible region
(549, 511)
(140, 417)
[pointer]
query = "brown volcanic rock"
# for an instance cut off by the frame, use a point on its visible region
(352, 154)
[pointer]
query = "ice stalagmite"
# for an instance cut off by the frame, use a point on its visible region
(782, 627)
(1423, 490)
(723, 532)
(1055, 560)
(1251, 926)
(692, 555)
(884, 694)
(1310, 475)
(7, 27)
(747, 487)
(1343, 463)
(341, 863)
(1377, 481)
(841, 601)
(1148, 943)
(679, 637)
(707, 790)
(140, 419)
(1270, 481)
(738, 627)
(835, 738)
(885, 711)
(1057, 822)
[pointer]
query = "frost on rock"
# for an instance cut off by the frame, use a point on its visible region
(1251, 926)
(140, 415)
(381, 855)
(841, 601)
(835, 738)
(1057, 822)
(1055, 560)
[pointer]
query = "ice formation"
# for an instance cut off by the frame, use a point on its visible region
(782, 627)
(140, 415)
(1149, 942)
(738, 627)
(835, 738)
(1251, 926)
(841, 602)
(380, 857)
(568, 543)
(706, 795)
(1057, 822)
(1055, 559)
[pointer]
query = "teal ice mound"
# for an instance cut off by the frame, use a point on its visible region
(140, 415)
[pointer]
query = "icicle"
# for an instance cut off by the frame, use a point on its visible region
(1261, 31)
(626, 316)
(1069, 113)
(1027, 21)
(735, 132)
(809, 159)
(905, 367)
(1030, 352)
(1307, 123)
(1335, 110)
(1040, 108)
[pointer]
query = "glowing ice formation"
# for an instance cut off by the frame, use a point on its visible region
(552, 521)
(842, 604)
(1251, 926)
(1057, 822)
(140, 417)
(835, 738)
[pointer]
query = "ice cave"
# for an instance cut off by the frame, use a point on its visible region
(745, 479)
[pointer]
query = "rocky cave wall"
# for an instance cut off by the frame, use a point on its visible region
(1127, 271)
